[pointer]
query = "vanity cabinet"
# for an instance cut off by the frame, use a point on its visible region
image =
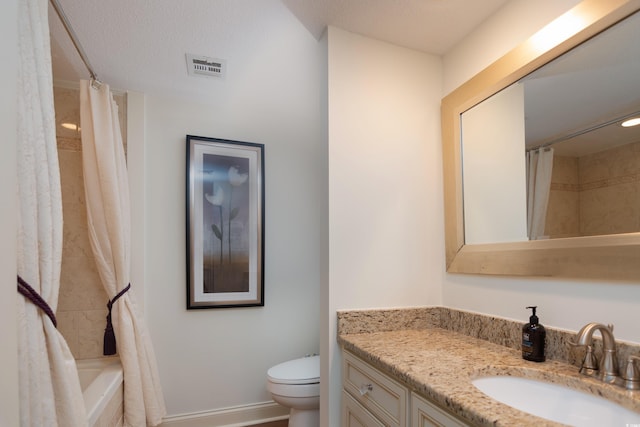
(371, 398)
(382, 397)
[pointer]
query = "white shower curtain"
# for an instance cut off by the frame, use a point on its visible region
(539, 169)
(107, 198)
(50, 393)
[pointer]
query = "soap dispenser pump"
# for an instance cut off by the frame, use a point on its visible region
(533, 338)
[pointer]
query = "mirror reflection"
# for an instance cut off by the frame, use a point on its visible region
(547, 157)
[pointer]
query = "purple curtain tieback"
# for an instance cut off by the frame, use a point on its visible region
(109, 345)
(29, 293)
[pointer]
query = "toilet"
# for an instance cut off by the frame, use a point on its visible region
(296, 385)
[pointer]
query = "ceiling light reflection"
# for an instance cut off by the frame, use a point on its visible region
(635, 121)
(71, 126)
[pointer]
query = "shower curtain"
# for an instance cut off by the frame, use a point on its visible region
(50, 393)
(539, 168)
(107, 198)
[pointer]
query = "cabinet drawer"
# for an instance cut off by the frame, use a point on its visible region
(382, 396)
(355, 415)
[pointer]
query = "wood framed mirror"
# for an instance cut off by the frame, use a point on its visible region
(614, 256)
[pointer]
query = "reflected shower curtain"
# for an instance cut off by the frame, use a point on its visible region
(107, 198)
(539, 168)
(50, 393)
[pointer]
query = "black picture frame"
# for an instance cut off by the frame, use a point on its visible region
(224, 223)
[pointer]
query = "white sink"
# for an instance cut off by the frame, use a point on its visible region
(555, 402)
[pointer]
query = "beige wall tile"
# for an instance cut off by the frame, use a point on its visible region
(80, 285)
(68, 327)
(563, 214)
(91, 324)
(605, 196)
(593, 212)
(565, 170)
(592, 168)
(623, 213)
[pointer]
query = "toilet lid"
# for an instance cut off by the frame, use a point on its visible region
(305, 370)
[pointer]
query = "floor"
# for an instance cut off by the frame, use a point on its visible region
(282, 423)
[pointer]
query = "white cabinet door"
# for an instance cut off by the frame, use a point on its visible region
(355, 415)
(427, 414)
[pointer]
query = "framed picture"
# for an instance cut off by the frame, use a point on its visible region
(225, 223)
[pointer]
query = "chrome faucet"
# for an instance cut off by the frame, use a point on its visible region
(608, 369)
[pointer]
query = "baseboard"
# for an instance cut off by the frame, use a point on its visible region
(237, 416)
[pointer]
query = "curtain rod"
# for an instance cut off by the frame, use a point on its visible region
(74, 39)
(583, 131)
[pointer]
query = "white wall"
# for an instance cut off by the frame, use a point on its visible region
(8, 328)
(218, 358)
(565, 304)
(386, 246)
(506, 29)
(136, 156)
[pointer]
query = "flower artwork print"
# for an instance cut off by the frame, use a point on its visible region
(225, 216)
(225, 222)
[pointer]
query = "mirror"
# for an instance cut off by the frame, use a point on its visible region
(587, 173)
(496, 241)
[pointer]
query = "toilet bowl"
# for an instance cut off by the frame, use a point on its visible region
(296, 385)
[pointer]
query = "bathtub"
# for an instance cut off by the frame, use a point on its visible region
(102, 389)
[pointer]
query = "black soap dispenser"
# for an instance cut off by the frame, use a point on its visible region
(533, 339)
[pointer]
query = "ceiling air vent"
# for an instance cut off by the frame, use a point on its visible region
(204, 66)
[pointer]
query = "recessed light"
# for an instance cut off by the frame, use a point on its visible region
(635, 121)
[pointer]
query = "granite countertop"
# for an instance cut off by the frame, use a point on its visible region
(440, 364)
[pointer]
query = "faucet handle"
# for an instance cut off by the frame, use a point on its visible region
(630, 376)
(590, 360)
(589, 363)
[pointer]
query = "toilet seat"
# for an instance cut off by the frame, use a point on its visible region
(305, 370)
(294, 390)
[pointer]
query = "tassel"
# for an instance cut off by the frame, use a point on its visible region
(109, 343)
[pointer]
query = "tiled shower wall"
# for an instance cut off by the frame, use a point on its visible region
(563, 211)
(595, 194)
(82, 302)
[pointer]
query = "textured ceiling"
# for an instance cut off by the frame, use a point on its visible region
(432, 26)
(140, 44)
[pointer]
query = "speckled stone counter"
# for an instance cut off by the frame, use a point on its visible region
(440, 363)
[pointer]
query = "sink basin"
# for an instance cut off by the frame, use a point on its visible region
(556, 402)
